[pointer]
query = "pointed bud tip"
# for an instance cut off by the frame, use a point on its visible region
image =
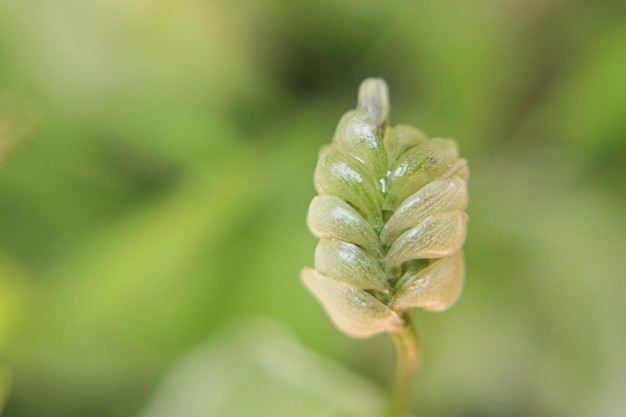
(374, 99)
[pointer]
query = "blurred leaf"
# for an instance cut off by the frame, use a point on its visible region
(5, 386)
(138, 265)
(257, 369)
(17, 119)
(591, 98)
(85, 53)
(14, 292)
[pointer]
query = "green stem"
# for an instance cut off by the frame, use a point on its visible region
(407, 351)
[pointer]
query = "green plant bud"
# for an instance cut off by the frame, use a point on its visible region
(332, 218)
(439, 196)
(417, 167)
(358, 135)
(458, 169)
(341, 175)
(400, 139)
(390, 216)
(434, 288)
(353, 311)
(438, 236)
(374, 100)
(348, 262)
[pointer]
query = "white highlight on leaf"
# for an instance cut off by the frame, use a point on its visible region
(349, 263)
(439, 196)
(331, 217)
(438, 236)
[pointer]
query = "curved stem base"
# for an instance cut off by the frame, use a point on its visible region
(407, 352)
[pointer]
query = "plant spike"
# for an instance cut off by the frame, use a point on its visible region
(391, 222)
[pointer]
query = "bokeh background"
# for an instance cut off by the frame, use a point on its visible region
(157, 162)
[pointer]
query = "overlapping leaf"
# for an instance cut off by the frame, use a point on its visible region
(390, 216)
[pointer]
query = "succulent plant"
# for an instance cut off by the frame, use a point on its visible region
(390, 218)
(391, 222)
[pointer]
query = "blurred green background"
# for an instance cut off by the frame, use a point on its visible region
(157, 163)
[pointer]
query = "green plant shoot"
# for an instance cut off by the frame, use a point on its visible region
(390, 216)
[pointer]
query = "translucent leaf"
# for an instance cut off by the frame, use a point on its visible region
(331, 217)
(374, 100)
(439, 196)
(417, 167)
(354, 311)
(341, 175)
(458, 169)
(434, 288)
(348, 262)
(400, 139)
(439, 235)
(357, 135)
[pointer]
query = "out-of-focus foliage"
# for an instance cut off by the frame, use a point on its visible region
(157, 167)
(256, 369)
(4, 387)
